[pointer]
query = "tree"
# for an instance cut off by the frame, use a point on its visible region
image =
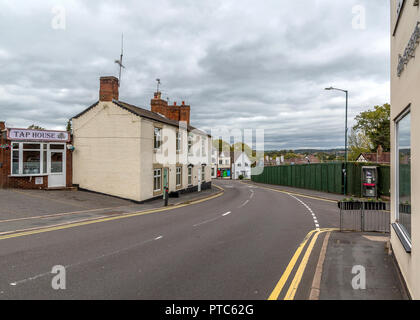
(34, 127)
(221, 145)
(375, 125)
(68, 126)
(358, 143)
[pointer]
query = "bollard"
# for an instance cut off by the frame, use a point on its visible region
(166, 196)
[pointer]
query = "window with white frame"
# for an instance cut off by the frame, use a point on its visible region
(203, 146)
(403, 168)
(157, 180)
(29, 158)
(178, 141)
(178, 176)
(189, 175)
(157, 138)
(190, 143)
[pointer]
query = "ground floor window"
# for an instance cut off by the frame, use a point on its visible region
(33, 158)
(190, 175)
(178, 176)
(157, 180)
(403, 167)
(203, 174)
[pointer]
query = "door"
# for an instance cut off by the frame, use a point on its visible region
(165, 180)
(57, 169)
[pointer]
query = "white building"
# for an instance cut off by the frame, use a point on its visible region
(241, 165)
(133, 153)
(214, 162)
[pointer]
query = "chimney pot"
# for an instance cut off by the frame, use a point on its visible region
(183, 103)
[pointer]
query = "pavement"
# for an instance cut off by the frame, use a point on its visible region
(363, 251)
(251, 242)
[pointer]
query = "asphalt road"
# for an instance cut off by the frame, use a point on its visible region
(236, 246)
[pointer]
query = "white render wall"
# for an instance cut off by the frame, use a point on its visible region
(107, 156)
(404, 91)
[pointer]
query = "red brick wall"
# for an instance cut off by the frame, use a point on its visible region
(27, 182)
(173, 112)
(108, 89)
(69, 169)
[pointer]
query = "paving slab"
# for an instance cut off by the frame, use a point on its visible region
(347, 250)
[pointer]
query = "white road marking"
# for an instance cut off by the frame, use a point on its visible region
(244, 204)
(204, 222)
(310, 210)
(158, 238)
(226, 214)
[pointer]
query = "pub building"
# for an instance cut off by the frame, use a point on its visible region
(35, 159)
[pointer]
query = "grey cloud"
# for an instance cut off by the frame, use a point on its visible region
(238, 63)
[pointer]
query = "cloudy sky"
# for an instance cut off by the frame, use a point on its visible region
(239, 63)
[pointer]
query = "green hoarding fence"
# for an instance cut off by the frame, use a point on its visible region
(326, 177)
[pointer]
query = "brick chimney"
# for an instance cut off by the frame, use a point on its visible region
(108, 89)
(173, 112)
(2, 125)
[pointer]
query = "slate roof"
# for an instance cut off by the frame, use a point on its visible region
(144, 113)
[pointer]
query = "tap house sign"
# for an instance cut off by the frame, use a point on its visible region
(37, 135)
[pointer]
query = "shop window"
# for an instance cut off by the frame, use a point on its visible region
(178, 176)
(56, 162)
(57, 146)
(31, 159)
(15, 162)
(403, 167)
(157, 180)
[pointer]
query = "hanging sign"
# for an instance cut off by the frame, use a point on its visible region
(37, 135)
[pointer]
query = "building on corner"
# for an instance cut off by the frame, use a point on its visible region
(133, 153)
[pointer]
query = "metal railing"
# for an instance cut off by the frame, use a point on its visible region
(365, 216)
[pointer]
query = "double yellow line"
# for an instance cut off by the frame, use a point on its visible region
(93, 221)
(291, 292)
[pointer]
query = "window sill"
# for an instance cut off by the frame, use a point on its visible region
(406, 243)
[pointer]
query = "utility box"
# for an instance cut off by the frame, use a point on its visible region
(370, 182)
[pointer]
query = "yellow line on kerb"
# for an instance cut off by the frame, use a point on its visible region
(299, 273)
(84, 223)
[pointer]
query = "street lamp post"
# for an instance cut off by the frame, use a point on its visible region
(345, 137)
